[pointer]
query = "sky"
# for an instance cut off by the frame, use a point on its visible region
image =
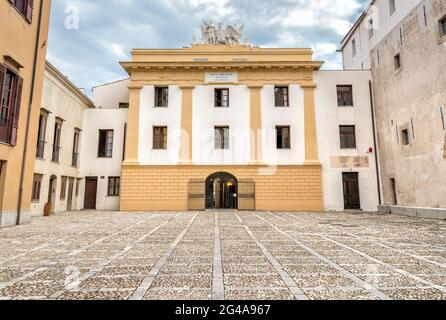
(88, 38)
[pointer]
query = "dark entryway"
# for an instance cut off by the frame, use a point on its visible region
(351, 191)
(221, 191)
(91, 189)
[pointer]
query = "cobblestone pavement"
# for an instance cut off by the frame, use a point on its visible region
(224, 255)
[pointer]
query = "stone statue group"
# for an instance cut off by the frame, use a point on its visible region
(216, 34)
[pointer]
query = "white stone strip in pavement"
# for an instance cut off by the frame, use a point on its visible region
(419, 242)
(383, 245)
(286, 278)
(141, 291)
(47, 265)
(343, 271)
(61, 240)
(74, 285)
(75, 252)
(276, 216)
(398, 270)
(218, 288)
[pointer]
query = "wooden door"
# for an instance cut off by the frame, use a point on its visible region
(196, 195)
(351, 191)
(91, 188)
(70, 194)
(247, 195)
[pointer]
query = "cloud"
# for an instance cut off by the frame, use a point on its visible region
(109, 29)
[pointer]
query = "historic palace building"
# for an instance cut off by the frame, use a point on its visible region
(217, 125)
(228, 125)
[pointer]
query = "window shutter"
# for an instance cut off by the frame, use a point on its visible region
(2, 79)
(17, 102)
(29, 10)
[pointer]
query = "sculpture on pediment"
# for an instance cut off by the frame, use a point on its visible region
(218, 34)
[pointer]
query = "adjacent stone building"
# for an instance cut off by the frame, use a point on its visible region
(59, 144)
(23, 44)
(404, 44)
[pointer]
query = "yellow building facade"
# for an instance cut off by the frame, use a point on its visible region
(186, 181)
(23, 43)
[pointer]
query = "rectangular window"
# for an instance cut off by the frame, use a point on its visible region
(161, 97)
(443, 27)
(221, 137)
(353, 47)
(221, 98)
(392, 6)
(37, 183)
(160, 138)
(75, 155)
(397, 61)
(10, 99)
(40, 152)
(281, 96)
(25, 7)
(63, 188)
(78, 183)
(56, 140)
(105, 148)
(405, 138)
(345, 95)
(348, 137)
(283, 137)
(114, 184)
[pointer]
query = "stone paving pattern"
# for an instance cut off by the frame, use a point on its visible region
(224, 255)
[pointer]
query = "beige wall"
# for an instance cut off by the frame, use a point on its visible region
(62, 100)
(415, 94)
(18, 40)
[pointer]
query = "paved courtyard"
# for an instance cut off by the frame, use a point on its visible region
(224, 255)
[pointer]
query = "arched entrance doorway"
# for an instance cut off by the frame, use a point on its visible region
(221, 191)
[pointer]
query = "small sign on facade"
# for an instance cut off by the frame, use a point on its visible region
(223, 77)
(350, 162)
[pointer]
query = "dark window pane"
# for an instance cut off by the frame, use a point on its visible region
(281, 96)
(221, 98)
(283, 137)
(40, 152)
(161, 97)
(56, 141)
(105, 147)
(37, 183)
(221, 137)
(348, 137)
(114, 184)
(345, 95)
(160, 138)
(405, 137)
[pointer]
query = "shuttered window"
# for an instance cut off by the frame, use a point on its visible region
(10, 99)
(25, 7)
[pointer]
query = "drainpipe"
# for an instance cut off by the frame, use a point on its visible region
(28, 120)
(375, 143)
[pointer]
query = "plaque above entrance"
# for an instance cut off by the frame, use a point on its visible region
(223, 77)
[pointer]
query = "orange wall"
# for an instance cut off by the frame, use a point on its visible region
(18, 39)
